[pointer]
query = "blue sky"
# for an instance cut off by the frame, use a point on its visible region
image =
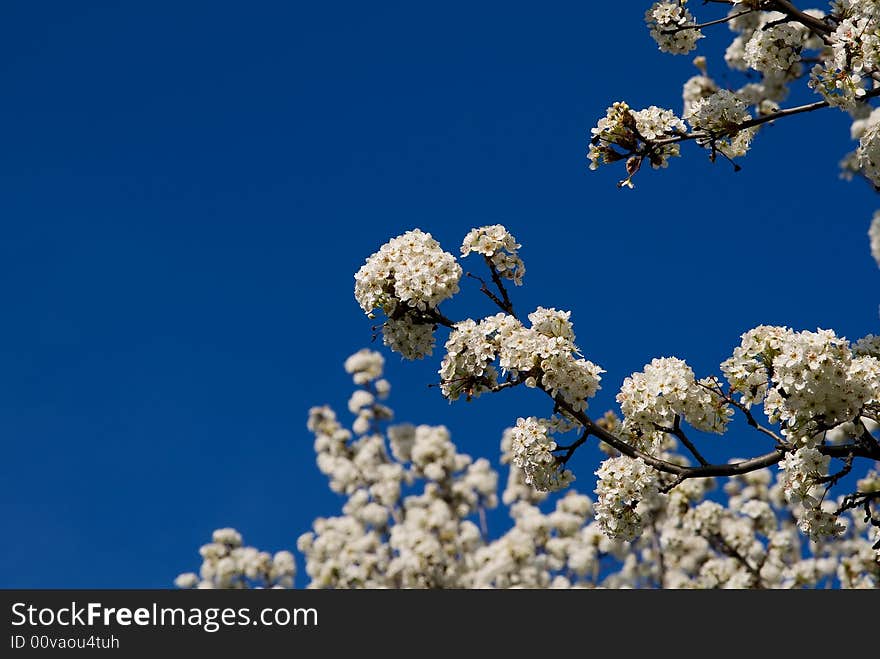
(186, 190)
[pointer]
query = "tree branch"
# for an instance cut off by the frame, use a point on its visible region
(569, 450)
(698, 26)
(676, 431)
(751, 123)
(703, 471)
(750, 419)
(433, 314)
(484, 288)
(496, 278)
(815, 24)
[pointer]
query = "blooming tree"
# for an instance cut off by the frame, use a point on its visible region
(801, 512)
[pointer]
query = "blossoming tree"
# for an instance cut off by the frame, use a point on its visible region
(800, 512)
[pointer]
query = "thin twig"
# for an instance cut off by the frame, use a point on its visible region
(507, 384)
(815, 24)
(750, 418)
(751, 123)
(569, 450)
(496, 278)
(484, 288)
(684, 473)
(698, 26)
(677, 431)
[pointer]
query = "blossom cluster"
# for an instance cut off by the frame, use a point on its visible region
(668, 22)
(227, 563)
(413, 504)
(497, 244)
(720, 115)
(638, 134)
(532, 451)
(410, 273)
(410, 269)
(874, 237)
(623, 484)
(843, 43)
(775, 48)
(810, 381)
(543, 355)
(652, 399)
(854, 54)
(804, 471)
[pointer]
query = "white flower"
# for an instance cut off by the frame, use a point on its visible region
(803, 469)
(544, 350)
(719, 115)
(227, 563)
(636, 134)
(665, 19)
(666, 389)
(411, 339)
(817, 384)
(623, 483)
(360, 399)
(868, 152)
(874, 237)
(365, 366)
(497, 244)
(840, 87)
(696, 88)
(747, 370)
(187, 580)
(411, 269)
(227, 536)
(775, 48)
(532, 451)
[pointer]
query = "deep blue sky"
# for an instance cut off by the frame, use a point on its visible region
(186, 190)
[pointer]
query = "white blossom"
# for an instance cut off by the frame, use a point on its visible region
(665, 20)
(228, 563)
(411, 339)
(365, 366)
(868, 152)
(623, 483)
(497, 244)
(874, 237)
(720, 115)
(532, 451)
(666, 389)
(775, 48)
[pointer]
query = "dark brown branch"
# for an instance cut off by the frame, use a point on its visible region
(496, 278)
(676, 431)
(857, 499)
(703, 471)
(750, 419)
(867, 439)
(751, 123)
(833, 479)
(569, 450)
(817, 25)
(433, 314)
(484, 288)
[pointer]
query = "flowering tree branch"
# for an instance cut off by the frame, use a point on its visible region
(819, 392)
(699, 26)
